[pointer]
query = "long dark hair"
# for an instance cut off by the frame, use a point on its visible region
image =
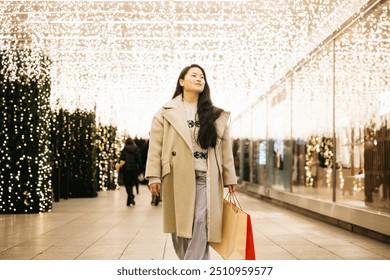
(207, 112)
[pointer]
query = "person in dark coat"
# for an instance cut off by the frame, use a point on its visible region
(130, 161)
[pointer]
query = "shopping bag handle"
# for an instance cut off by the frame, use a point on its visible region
(233, 199)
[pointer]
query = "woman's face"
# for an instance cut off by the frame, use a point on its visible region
(193, 81)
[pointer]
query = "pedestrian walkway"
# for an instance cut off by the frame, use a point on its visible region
(104, 228)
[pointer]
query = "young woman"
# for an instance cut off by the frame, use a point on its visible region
(190, 160)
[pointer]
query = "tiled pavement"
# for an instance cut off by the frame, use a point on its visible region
(104, 228)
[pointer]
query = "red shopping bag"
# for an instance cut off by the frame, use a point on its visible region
(237, 236)
(250, 244)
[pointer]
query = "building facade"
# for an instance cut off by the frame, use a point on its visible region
(319, 139)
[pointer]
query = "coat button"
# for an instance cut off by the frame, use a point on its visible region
(174, 153)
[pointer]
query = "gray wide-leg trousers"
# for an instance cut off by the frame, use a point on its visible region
(197, 247)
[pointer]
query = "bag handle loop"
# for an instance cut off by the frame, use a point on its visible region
(233, 199)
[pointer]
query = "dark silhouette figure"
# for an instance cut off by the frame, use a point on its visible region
(130, 161)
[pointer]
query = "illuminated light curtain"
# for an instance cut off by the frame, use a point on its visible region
(279, 112)
(25, 158)
(246, 125)
(131, 52)
(362, 60)
(312, 109)
(362, 91)
(259, 120)
(235, 126)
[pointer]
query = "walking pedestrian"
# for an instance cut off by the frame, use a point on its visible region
(130, 161)
(190, 158)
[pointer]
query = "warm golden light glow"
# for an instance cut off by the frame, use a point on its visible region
(122, 58)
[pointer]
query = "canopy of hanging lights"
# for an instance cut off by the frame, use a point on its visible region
(121, 59)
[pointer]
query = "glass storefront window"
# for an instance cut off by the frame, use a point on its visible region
(362, 90)
(324, 131)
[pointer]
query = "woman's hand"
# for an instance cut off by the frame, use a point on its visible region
(155, 188)
(232, 188)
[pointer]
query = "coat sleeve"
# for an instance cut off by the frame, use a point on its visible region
(228, 170)
(153, 162)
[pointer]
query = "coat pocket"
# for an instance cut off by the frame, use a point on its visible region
(166, 169)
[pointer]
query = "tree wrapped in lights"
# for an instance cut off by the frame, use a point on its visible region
(25, 166)
(325, 156)
(319, 153)
(106, 144)
(74, 154)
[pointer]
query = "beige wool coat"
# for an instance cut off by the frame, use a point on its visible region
(170, 158)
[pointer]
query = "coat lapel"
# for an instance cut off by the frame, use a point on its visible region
(174, 113)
